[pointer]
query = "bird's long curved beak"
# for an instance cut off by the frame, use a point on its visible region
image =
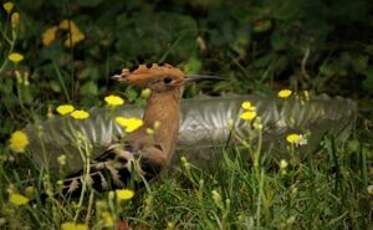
(118, 77)
(196, 78)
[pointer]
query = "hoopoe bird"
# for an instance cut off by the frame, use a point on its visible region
(114, 167)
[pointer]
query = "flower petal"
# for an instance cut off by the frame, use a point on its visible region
(18, 141)
(65, 109)
(124, 194)
(15, 57)
(18, 199)
(284, 93)
(80, 114)
(114, 100)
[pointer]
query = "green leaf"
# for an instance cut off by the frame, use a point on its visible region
(91, 72)
(263, 61)
(279, 41)
(241, 43)
(55, 86)
(131, 94)
(193, 65)
(89, 88)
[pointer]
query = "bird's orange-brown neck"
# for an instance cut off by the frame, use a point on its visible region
(162, 107)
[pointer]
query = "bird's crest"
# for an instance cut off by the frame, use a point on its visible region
(143, 74)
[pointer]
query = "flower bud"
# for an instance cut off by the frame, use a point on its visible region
(283, 164)
(15, 19)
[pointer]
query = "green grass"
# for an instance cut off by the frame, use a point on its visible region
(327, 190)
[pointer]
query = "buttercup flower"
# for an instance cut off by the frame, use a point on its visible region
(129, 124)
(248, 115)
(8, 7)
(124, 194)
(73, 38)
(18, 199)
(297, 139)
(66, 24)
(75, 35)
(49, 35)
(65, 109)
(113, 100)
(246, 105)
(79, 114)
(284, 93)
(15, 57)
(18, 141)
(73, 226)
(250, 111)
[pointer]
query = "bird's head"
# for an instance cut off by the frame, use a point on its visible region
(158, 78)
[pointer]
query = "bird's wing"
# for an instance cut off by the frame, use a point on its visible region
(117, 167)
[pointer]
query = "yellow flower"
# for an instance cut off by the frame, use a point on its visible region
(49, 35)
(73, 38)
(18, 141)
(107, 218)
(80, 114)
(14, 19)
(65, 109)
(66, 24)
(130, 124)
(18, 199)
(124, 194)
(75, 35)
(246, 105)
(294, 138)
(8, 7)
(114, 100)
(284, 93)
(73, 226)
(15, 57)
(248, 115)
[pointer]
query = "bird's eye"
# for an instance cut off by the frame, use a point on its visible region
(167, 80)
